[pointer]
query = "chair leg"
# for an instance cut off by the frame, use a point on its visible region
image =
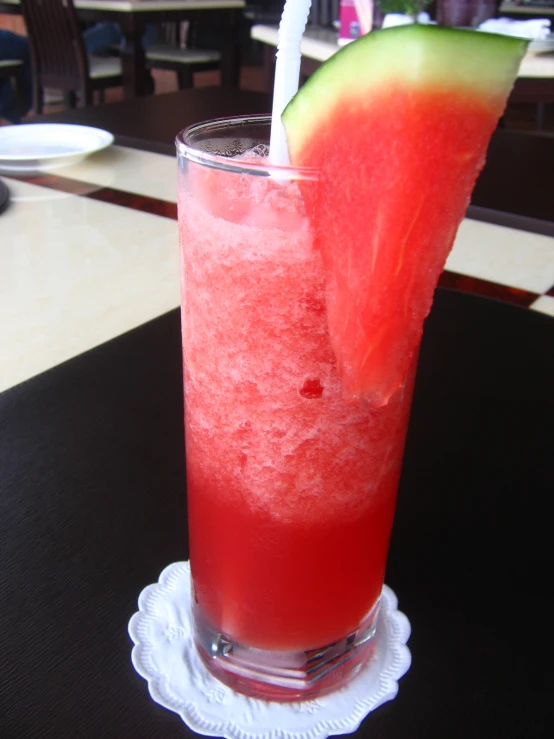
(539, 121)
(269, 67)
(38, 98)
(149, 84)
(20, 102)
(185, 78)
(70, 99)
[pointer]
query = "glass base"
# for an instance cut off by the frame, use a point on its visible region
(284, 676)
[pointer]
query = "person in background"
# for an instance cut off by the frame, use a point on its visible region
(14, 46)
(101, 37)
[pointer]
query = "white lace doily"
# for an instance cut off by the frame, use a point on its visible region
(165, 656)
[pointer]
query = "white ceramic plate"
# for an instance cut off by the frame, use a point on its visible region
(47, 146)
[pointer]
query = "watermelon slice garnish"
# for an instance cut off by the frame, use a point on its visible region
(398, 125)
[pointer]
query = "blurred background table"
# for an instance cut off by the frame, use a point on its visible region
(526, 9)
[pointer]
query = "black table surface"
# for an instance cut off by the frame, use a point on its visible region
(518, 178)
(93, 507)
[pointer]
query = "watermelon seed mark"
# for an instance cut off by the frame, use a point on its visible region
(311, 389)
(408, 234)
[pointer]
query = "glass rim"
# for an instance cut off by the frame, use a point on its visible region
(228, 164)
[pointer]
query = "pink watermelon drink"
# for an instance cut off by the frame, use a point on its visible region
(288, 483)
(291, 486)
(300, 344)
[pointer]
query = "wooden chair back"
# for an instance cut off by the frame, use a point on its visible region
(58, 54)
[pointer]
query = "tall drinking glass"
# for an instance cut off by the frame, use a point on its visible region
(291, 486)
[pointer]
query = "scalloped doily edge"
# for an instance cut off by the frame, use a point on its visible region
(398, 629)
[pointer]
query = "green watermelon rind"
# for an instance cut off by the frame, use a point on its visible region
(406, 53)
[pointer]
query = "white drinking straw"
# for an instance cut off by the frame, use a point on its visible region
(287, 72)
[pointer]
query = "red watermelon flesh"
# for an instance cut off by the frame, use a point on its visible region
(397, 164)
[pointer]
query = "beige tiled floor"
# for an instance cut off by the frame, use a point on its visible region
(504, 256)
(75, 272)
(544, 304)
(131, 170)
